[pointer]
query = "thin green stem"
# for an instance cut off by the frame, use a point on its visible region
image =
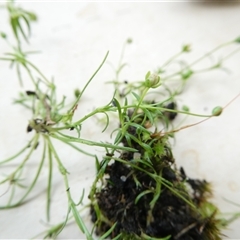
(18, 153)
(79, 149)
(11, 195)
(49, 186)
(66, 138)
(94, 112)
(32, 184)
(197, 60)
(11, 176)
(71, 204)
(38, 71)
(88, 82)
(209, 53)
(140, 101)
(171, 59)
(36, 176)
(230, 54)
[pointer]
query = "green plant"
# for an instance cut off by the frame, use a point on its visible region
(140, 148)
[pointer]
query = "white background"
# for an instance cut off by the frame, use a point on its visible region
(73, 38)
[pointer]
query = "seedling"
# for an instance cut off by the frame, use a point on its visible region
(139, 191)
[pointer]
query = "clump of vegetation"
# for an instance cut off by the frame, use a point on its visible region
(139, 191)
(144, 195)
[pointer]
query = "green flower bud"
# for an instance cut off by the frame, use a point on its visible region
(185, 108)
(77, 93)
(187, 74)
(152, 80)
(186, 48)
(129, 40)
(217, 111)
(3, 35)
(237, 40)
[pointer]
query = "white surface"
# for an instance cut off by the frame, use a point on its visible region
(73, 38)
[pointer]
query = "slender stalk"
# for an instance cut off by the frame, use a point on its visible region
(38, 71)
(71, 204)
(88, 82)
(140, 101)
(32, 184)
(66, 138)
(197, 60)
(171, 60)
(11, 176)
(49, 185)
(18, 153)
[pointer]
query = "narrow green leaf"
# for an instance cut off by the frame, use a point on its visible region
(22, 31)
(27, 23)
(80, 222)
(49, 186)
(66, 138)
(140, 195)
(106, 234)
(136, 96)
(149, 115)
(14, 24)
(147, 75)
(117, 104)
